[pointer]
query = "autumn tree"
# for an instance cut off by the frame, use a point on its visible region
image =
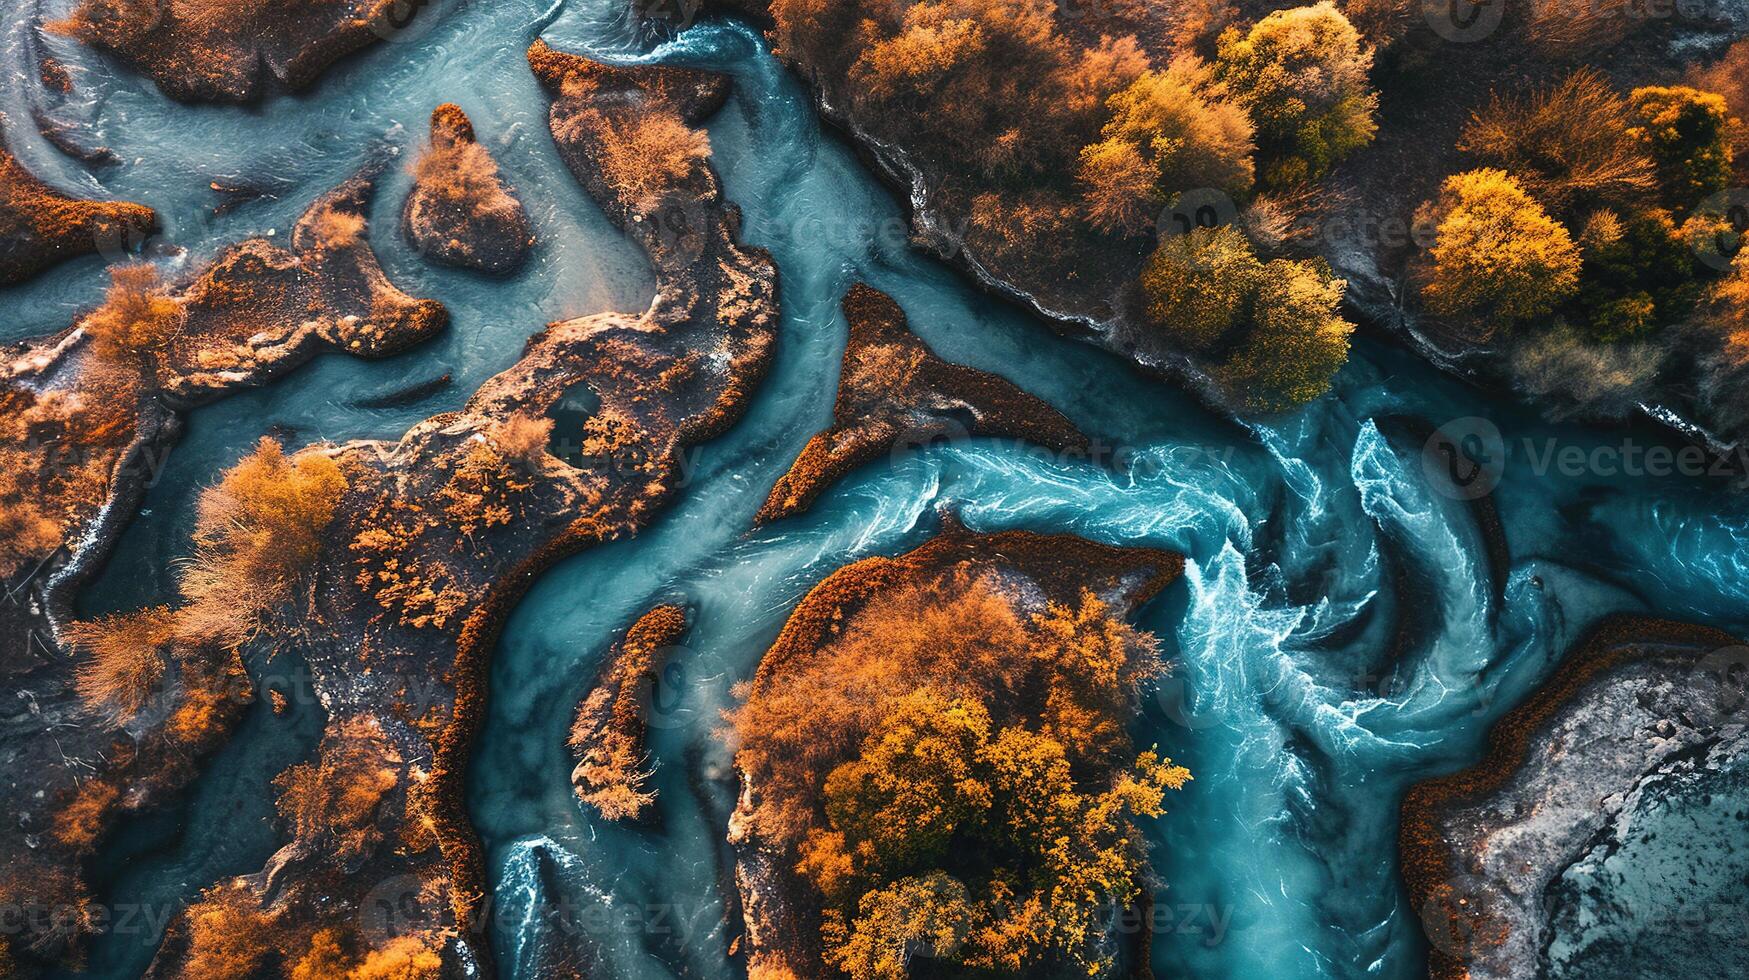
(1200, 285)
(1298, 340)
(458, 173)
(927, 916)
(138, 317)
(1729, 77)
(257, 533)
(936, 780)
(1570, 146)
(1498, 258)
(1168, 132)
(332, 802)
(126, 655)
(1687, 132)
(1302, 75)
(644, 155)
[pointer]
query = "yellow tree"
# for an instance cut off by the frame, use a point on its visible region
(1498, 258)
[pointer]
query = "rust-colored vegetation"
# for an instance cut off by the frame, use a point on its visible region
(332, 802)
(126, 658)
(609, 734)
(40, 226)
(138, 317)
(227, 50)
(258, 531)
(1592, 243)
(946, 765)
(894, 393)
(459, 211)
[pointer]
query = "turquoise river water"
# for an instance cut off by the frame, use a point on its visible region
(1340, 631)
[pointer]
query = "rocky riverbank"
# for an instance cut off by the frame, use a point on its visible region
(895, 394)
(459, 211)
(89, 421)
(41, 227)
(1486, 851)
(445, 529)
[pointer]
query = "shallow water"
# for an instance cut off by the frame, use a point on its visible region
(1338, 634)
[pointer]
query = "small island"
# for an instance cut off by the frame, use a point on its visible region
(935, 767)
(459, 211)
(41, 227)
(610, 733)
(895, 394)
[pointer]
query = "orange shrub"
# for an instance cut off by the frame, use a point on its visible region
(227, 935)
(256, 534)
(413, 956)
(79, 824)
(137, 316)
(645, 156)
(1567, 145)
(332, 802)
(125, 659)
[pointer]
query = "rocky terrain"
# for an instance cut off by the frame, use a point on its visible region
(210, 51)
(90, 414)
(459, 211)
(446, 528)
(1497, 854)
(894, 395)
(40, 226)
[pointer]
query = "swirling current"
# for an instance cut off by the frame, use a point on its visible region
(1344, 627)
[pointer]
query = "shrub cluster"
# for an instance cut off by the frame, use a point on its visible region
(1587, 211)
(1065, 150)
(955, 780)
